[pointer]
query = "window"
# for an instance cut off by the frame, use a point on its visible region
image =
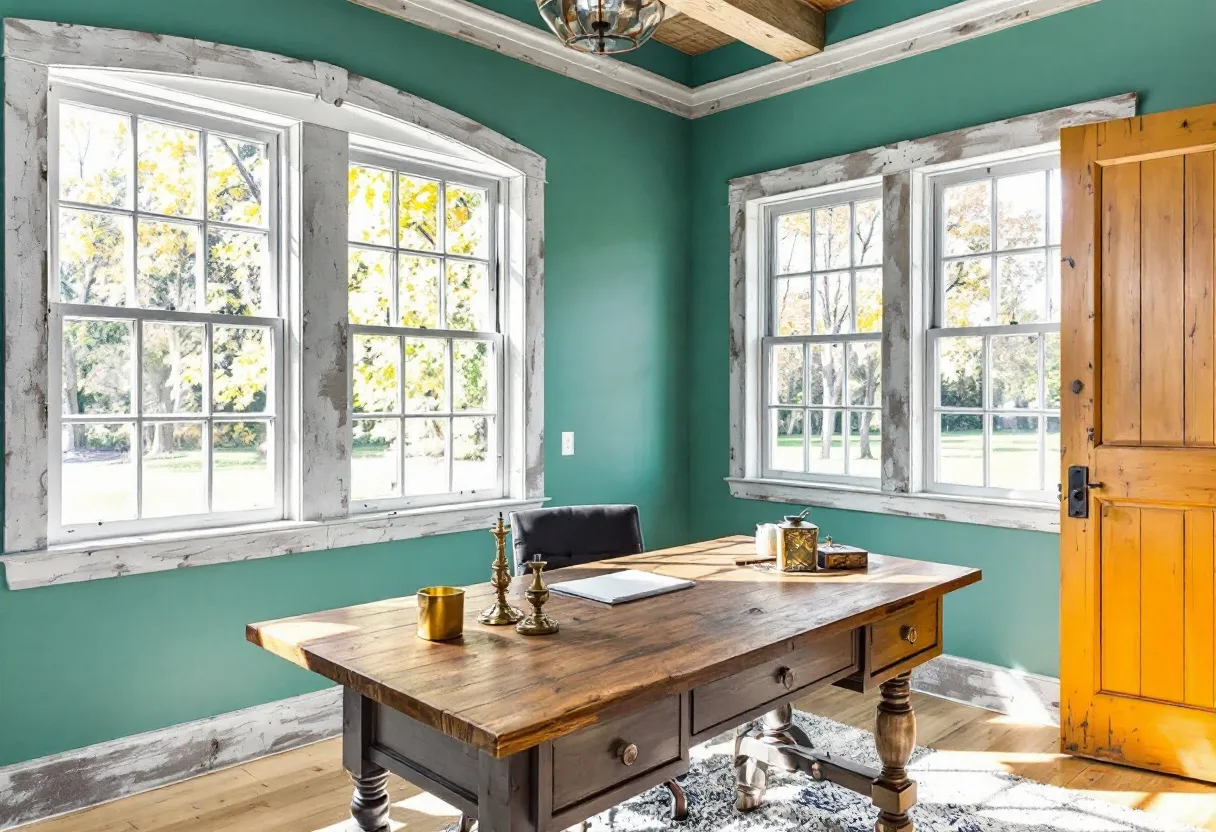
(822, 415)
(425, 338)
(165, 319)
(994, 343)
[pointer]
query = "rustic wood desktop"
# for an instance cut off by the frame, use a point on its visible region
(536, 734)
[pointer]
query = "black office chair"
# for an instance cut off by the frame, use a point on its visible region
(571, 536)
(574, 535)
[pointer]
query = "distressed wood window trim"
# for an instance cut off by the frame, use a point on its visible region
(317, 491)
(902, 168)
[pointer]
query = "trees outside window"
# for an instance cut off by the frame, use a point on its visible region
(823, 374)
(994, 346)
(165, 318)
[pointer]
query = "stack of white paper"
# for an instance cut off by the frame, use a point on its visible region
(621, 587)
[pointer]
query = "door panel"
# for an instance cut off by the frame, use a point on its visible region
(1138, 579)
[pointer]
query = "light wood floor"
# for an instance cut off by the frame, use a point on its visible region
(306, 790)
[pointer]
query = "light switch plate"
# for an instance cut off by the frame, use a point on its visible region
(568, 443)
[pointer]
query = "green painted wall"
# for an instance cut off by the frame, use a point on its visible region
(89, 662)
(1164, 53)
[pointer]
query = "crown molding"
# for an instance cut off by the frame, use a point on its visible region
(957, 23)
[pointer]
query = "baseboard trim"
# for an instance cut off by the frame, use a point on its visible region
(55, 785)
(1026, 696)
(62, 783)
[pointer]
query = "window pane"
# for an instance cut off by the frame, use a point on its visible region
(375, 459)
(94, 157)
(1056, 205)
(869, 300)
(867, 235)
(419, 282)
(832, 230)
(967, 292)
(237, 178)
(467, 228)
(242, 472)
(417, 213)
(426, 461)
(1051, 475)
(827, 373)
(97, 366)
(1021, 206)
(97, 479)
(473, 462)
(826, 442)
(865, 443)
(1052, 369)
(960, 372)
(1022, 288)
(375, 384)
(240, 369)
(833, 308)
(793, 299)
(1015, 371)
(172, 368)
(960, 449)
(94, 257)
(167, 265)
(370, 285)
(170, 169)
(174, 480)
(1053, 284)
(471, 375)
(865, 373)
(468, 297)
(425, 375)
(786, 451)
(967, 214)
(1015, 453)
(371, 206)
(788, 376)
(238, 263)
(793, 243)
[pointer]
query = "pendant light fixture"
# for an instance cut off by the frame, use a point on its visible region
(602, 27)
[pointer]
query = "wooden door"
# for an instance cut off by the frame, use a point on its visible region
(1139, 398)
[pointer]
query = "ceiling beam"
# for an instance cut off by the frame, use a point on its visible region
(786, 29)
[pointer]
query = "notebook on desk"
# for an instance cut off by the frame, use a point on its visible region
(621, 587)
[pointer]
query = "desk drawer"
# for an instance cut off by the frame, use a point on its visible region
(595, 759)
(725, 699)
(903, 634)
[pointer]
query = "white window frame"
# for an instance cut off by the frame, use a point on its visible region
(831, 197)
(935, 301)
(400, 164)
(904, 170)
(317, 110)
(276, 415)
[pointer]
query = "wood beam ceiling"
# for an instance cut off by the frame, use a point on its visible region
(692, 36)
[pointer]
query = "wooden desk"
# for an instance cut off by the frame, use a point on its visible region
(529, 734)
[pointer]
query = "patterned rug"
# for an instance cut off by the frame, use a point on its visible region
(950, 800)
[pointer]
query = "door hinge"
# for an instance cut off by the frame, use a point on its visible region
(1078, 491)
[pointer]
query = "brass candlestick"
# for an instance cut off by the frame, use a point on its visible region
(500, 612)
(537, 623)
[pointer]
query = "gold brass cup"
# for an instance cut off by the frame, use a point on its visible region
(440, 613)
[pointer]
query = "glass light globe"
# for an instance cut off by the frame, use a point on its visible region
(602, 27)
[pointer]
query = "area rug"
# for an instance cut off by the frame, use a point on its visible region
(950, 800)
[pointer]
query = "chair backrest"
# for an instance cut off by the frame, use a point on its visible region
(575, 534)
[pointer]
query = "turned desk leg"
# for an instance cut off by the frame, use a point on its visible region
(751, 774)
(894, 792)
(369, 806)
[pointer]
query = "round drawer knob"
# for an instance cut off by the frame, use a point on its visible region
(786, 677)
(909, 634)
(629, 754)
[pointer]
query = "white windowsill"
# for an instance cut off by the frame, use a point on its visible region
(1007, 514)
(93, 560)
